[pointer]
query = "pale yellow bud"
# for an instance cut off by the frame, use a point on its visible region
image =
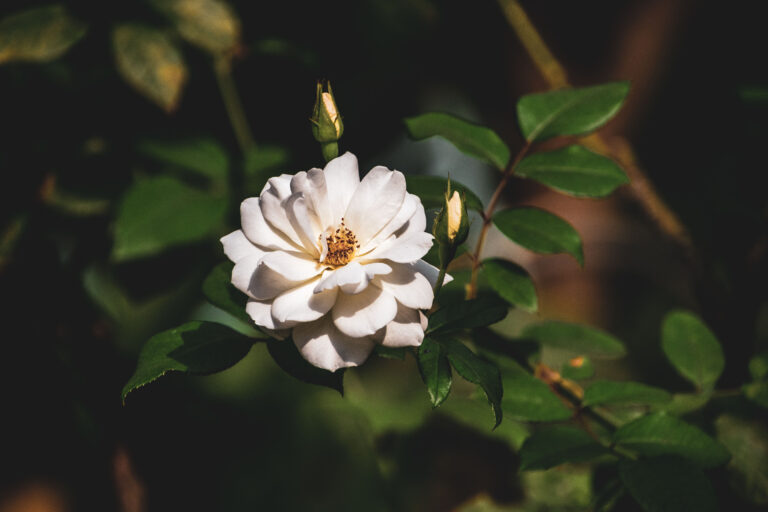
(455, 211)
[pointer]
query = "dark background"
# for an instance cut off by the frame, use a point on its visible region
(256, 439)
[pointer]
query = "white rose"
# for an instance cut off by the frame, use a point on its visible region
(335, 261)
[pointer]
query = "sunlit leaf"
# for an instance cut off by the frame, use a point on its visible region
(528, 398)
(663, 434)
(287, 357)
(552, 446)
(668, 484)
(160, 212)
(692, 348)
(476, 370)
(196, 347)
(467, 315)
(569, 111)
(151, 62)
(474, 140)
(577, 368)
(38, 35)
(574, 170)
(576, 338)
(511, 282)
(540, 231)
(209, 24)
(605, 392)
(431, 191)
(435, 370)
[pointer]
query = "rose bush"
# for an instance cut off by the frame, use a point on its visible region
(335, 261)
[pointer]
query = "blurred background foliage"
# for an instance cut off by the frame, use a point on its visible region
(132, 130)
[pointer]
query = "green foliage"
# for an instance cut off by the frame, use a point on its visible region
(203, 156)
(287, 357)
(605, 392)
(663, 434)
(474, 140)
(195, 347)
(38, 35)
(747, 440)
(540, 231)
(431, 191)
(569, 111)
(692, 348)
(160, 212)
(668, 484)
(579, 339)
(527, 398)
(477, 371)
(467, 315)
(219, 291)
(512, 283)
(578, 368)
(552, 446)
(151, 62)
(210, 24)
(435, 370)
(574, 170)
(390, 352)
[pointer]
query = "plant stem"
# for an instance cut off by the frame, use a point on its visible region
(439, 283)
(488, 218)
(554, 73)
(222, 66)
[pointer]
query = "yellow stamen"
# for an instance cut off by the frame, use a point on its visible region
(341, 246)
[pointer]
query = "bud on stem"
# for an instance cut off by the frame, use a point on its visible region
(327, 126)
(451, 229)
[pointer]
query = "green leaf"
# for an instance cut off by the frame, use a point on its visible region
(474, 140)
(160, 212)
(477, 371)
(528, 398)
(569, 111)
(151, 62)
(747, 440)
(512, 283)
(683, 403)
(553, 446)
(209, 24)
(203, 156)
(218, 289)
(692, 349)
(668, 484)
(287, 357)
(758, 366)
(390, 352)
(605, 392)
(578, 368)
(435, 370)
(580, 339)
(431, 191)
(662, 434)
(195, 347)
(574, 170)
(540, 231)
(757, 392)
(467, 315)
(38, 35)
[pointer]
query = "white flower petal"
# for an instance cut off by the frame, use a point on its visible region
(313, 185)
(404, 249)
(377, 200)
(305, 224)
(258, 231)
(351, 278)
(302, 304)
(400, 223)
(278, 186)
(364, 313)
(430, 272)
(406, 330)
(261, 313)
(277, 272)
(324, 346)
(237, 246)
(342, 178)
(410, 287)
(275, 213)
(242, 274)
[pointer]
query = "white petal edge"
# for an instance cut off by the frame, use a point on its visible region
(302, 304)
(376, 202)
(258, 231)
(364, 313)
(409, 286)
(352, 278)
(406, 330)
(430, 272)
(324, 346)
(237, 246)
(405, 249)
(342, 178)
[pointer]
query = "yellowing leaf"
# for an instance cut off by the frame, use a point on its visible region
(209, 24)
(38, 35)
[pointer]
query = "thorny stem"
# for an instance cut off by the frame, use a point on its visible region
(641, 187)
(222, 67)
(488, 218)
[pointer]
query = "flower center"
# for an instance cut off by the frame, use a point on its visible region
(341, 246)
